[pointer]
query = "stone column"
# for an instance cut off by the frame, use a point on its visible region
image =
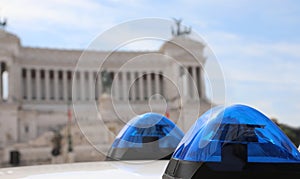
(149, 90)
(161, 84)
(1, 83)
(194, 83)
(74, 85)
(99, 83)
(116, 85)
(38, 84)
(202, 83)
(132, 90)
(141, 86)
(190, 83)
(157, 87)
(65, 85)
(125, 88)
(82, 86)
(28, 81)
(47, 85)
(185, 83)
(91, 86)
(56, 95)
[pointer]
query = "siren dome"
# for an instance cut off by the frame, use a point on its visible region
(234, 141)
(148, 136)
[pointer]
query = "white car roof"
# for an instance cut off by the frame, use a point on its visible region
(102, 169)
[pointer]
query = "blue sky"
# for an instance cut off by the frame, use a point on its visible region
(256, 42)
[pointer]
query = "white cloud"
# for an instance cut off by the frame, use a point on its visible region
(139, 34)
(245, 60)
(263, 74)
(66, 13)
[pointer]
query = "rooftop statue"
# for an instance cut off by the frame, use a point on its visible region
(3, 23)
(179, 31)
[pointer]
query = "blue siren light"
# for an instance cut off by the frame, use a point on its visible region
(237, 124)
(146, 136)
(236, 138)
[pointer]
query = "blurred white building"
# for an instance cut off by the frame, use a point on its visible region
(36, 88)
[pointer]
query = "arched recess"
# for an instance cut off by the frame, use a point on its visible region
(4, 86)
